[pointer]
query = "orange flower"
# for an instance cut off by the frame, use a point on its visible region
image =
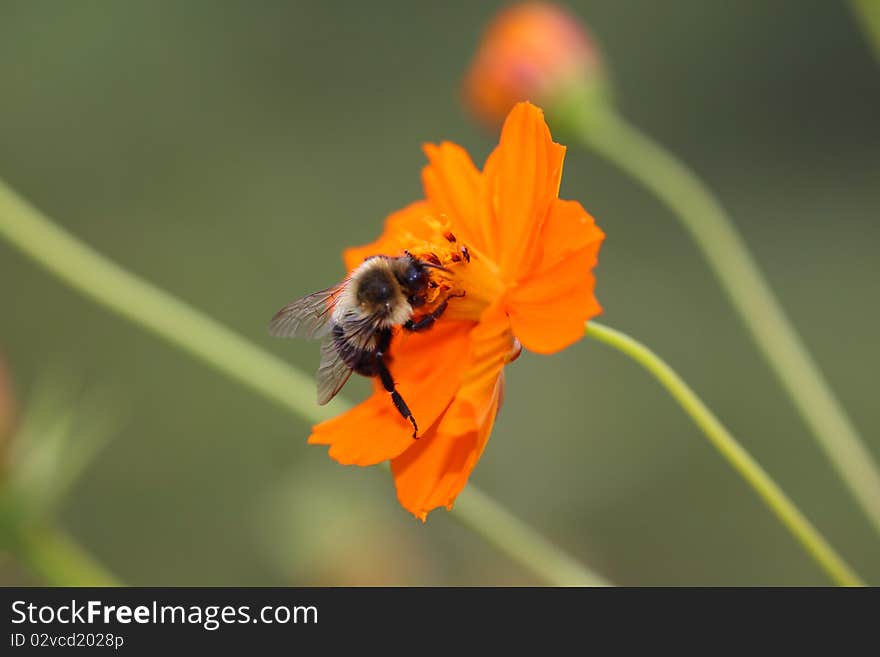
(520, 262)
(531, 51)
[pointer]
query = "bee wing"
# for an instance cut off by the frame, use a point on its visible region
(308, 317)
(356, 341)
(333, 373)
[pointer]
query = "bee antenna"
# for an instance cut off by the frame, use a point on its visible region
(433, 266)
(426, 263)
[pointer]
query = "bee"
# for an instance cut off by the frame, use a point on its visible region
(356, 321)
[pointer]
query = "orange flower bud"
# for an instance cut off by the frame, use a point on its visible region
(532, 51)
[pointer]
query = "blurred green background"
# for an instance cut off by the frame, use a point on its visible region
(228, 151)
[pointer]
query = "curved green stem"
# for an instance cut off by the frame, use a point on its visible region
(107, 283)
(867, 15)
(56, 558)
(520, 542)
(784, 509)
(729, 257)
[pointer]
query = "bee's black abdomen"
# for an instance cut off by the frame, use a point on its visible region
(367, 365)
(362, 361)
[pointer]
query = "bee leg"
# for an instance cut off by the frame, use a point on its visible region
(427, 321)
(388, 381)
(399, 404)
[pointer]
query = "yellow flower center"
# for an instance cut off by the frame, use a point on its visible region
(473, 281)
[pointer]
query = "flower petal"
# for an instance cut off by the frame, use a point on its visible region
(568, 229)
(522, 180)
(404, 229)
(452, 185)
(548, 313)
(428, 369)
(435, 470)
(365, 435)
(431, 476)
(549, 307)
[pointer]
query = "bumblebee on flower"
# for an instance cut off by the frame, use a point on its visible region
(489, 262)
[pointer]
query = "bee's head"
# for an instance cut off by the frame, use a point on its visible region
(414, 275)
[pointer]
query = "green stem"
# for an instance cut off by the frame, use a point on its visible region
(729, 257)
(107, 283)
(483, 515)
(784, 509)
(54, 557)
(867, 15)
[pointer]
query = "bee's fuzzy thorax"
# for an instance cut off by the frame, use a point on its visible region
(391, 311)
